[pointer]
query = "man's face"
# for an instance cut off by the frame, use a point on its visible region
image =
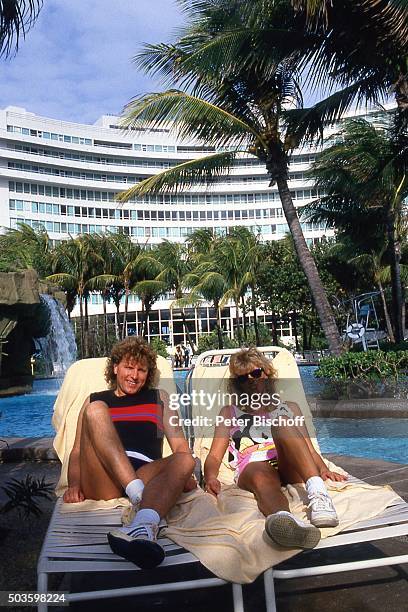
(131, 376)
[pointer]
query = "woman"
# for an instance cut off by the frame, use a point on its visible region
(265, 456)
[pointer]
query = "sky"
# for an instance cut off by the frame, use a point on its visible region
(75, 64)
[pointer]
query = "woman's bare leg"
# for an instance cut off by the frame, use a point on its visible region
(262, 479)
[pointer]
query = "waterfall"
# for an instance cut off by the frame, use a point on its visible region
(59, 346)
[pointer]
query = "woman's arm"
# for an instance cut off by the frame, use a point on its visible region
(74, 494)
(217, 451)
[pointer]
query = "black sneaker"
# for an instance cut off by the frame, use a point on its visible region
(138, 545)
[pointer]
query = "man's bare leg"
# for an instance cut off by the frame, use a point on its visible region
(164, 481)
(105, 467)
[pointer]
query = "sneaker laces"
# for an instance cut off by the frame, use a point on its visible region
(144, 531)
(320, 502)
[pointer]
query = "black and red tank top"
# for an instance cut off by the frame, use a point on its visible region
(138, 419)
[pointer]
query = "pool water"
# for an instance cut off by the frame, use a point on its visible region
(30, 416)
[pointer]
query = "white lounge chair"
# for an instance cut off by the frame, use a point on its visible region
(76, 542)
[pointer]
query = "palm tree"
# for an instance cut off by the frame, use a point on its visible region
(16, 18)
(74, 262)
(237, 105)
(365, 177)
(252, 256)
(175, 265)
(207, 286)
(25, 247)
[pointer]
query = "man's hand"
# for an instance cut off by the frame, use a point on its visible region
(73, 495)
(326, 474)
(213, 486)
(191, 484)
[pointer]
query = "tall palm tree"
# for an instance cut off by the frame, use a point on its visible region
(240, 106)
(16, 18)
(365, 175)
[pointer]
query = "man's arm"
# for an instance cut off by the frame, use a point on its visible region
(74, 494)
(172, 428)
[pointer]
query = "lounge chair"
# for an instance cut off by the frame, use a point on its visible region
(76, 541)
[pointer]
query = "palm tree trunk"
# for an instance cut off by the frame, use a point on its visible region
(244, 318)
(146, 320)
(81, 320)
(105, 324)
(309, 267)
(256, 329)
(237, 322)
(396, 285)
(218, 324)
(295, 330)
(86, 334)
(189, 340)
(143, 330)
(124, 327)
(274, 330)
(117, 304)
(386, 313)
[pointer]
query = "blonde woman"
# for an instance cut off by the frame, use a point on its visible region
(266, 455)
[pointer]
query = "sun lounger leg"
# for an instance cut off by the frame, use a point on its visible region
(237, 597)
(269, 591)
(42, 587)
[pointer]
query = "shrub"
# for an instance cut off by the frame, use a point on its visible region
(159, 346)
(207, 342)
(367, 374)
(22, 494)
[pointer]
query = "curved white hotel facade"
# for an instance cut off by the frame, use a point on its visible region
(64, 176)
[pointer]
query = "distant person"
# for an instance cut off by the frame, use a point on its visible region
(178, 357)
(186, 356)
(118, 449)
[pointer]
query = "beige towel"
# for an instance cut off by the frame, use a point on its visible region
(224, 533)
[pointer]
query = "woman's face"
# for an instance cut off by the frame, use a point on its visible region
(252, 379)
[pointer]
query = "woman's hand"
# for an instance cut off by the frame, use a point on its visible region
(213, 486)
(327, 474)
(73, 495)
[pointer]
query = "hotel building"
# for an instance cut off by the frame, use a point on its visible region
(64, 176)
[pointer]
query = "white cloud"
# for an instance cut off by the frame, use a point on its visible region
(75, 63)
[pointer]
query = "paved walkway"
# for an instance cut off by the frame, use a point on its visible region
(369, 590)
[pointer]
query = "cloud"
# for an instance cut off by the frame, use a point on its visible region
(76, 62)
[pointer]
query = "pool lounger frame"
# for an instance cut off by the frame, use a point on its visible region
(76, 542)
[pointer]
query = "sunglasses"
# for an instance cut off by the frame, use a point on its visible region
(257, 373)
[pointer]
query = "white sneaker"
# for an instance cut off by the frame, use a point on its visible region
(286, 530)
(138, 544)
(322, 510)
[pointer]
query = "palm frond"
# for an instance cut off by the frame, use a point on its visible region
(203, 170)
(307, 124)
(16, 18)
(188, 117)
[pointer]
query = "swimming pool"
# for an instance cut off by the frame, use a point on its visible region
(30, 416)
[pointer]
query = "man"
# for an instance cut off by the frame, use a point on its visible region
(118, 448)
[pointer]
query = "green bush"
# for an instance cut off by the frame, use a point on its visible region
(367, 374)
(159, 346)
(207, 342)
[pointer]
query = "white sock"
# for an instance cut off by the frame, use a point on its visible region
(286, 513)
(147, 515)
(134, 490)
(315, 484)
